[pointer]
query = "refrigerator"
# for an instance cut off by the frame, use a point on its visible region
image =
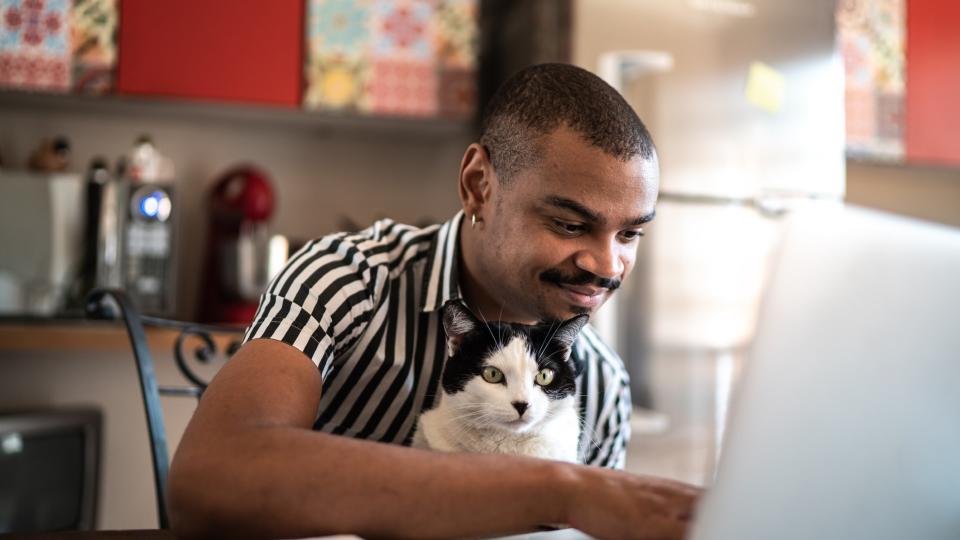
(744, 100)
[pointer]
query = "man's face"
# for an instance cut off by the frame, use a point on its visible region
(564, 233)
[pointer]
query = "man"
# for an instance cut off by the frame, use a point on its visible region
(348, 341)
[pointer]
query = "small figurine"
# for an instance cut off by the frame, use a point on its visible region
(53, 155)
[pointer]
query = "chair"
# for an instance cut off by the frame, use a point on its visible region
(113, 304)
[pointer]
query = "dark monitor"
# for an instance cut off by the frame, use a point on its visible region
(49, 463)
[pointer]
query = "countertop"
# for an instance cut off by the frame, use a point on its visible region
(25, 333)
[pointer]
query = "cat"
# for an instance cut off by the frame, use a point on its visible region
(506, 388)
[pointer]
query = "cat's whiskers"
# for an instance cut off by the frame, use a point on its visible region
(479, 422)
(546, 341)
(551, 355)
(500, 326)
(475, 420)
(594, 442)
(498, 342)
(466, 417)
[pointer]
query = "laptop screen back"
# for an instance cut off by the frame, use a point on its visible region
(846, 424)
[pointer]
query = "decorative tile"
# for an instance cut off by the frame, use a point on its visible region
(861, 116)
(338, 27)
(93, 28)
(456, 33)
(890, 116)
(392, 57)
(34, 44)
(871, 36)
(403, 30)
(457, 92)
(337, 83)
(403, 88)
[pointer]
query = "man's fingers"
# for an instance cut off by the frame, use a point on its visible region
(676, 491)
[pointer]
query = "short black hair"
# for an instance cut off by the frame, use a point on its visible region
(539, 99)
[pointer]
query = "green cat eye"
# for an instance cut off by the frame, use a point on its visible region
(492, 375)
(544, 377)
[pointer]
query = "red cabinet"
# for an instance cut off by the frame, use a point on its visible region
(933, 82)
(236, 50)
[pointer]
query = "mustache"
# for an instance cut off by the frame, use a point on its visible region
(581, 278)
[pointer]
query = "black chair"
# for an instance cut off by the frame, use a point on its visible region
(114, 304)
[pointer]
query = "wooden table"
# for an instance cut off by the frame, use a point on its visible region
(99, 535)
(566, 534)
(17, 334)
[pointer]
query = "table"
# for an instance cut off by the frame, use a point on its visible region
(566, 534)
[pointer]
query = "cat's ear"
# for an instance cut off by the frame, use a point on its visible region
(569, 329)
(457, 322)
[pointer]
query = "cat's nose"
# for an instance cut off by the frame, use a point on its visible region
(520, 406)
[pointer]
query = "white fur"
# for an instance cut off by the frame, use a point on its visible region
(481, 418)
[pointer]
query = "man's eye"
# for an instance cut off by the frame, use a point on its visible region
(568, 228)
(631, 235)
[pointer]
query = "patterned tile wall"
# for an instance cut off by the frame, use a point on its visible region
(58, 45)
(378, 57)
(871, 36)
(392, 57)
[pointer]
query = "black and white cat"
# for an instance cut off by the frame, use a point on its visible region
(506, 388)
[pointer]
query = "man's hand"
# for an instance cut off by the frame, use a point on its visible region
(615, 505)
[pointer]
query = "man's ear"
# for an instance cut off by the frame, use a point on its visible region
(458, 321)
(476, 180)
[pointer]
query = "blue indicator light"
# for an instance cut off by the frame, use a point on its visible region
(150, 205)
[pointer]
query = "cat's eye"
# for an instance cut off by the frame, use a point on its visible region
(544, 377)
(492, 375)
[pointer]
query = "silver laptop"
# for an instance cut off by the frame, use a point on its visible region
(846, 424)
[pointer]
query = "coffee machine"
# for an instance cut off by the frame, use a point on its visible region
(241, 255)
(134, 231)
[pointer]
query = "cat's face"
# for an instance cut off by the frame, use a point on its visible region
(507, 376)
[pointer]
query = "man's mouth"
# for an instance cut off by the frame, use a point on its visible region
(584, 290)
(588, 297)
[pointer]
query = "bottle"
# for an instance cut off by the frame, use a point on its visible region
(98, 180)
(145, 164)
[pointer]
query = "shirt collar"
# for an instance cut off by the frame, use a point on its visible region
(441, 282)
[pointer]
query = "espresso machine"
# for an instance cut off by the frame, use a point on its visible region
(135, 235)
(241, 255)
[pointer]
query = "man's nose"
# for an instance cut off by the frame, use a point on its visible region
(603, 259)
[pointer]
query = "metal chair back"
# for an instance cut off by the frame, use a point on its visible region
(114, 304)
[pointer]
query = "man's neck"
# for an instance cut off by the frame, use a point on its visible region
(480, 297)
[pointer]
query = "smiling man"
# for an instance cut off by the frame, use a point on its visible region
(347, 348)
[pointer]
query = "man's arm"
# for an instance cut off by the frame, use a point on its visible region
(249, 465)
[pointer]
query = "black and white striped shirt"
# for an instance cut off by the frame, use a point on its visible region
(365, 307)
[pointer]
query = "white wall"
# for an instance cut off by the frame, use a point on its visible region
(320, 174)
(711, 139)
(108, 381)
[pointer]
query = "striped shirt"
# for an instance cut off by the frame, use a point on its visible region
(365, 307)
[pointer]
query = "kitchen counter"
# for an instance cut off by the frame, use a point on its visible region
(56, 334)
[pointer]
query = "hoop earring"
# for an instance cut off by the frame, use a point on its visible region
(473, 221)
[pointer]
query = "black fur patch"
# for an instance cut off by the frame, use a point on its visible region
(550, 343)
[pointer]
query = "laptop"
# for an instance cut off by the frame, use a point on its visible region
(846, 424)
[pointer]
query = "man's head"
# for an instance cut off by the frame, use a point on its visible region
(562, 181)
(539, 99)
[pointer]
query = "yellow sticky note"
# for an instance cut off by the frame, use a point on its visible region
(765, 87)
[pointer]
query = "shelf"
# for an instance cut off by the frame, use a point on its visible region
(207, 111)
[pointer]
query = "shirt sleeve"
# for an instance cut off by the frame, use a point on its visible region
(320, 302)
(605, 405)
